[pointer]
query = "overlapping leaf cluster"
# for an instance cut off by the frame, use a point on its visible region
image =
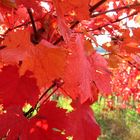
(46, 49)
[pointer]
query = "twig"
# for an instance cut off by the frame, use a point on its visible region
(96, 6)
(44, 94)
(116, 9)
(98, 28)
(56, 83)
(35, 37)
(32, 21)
(21, 25)
(58, 40)
(47, 98)
(129, 62)
(117, 20)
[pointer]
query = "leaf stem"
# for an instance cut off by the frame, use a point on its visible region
(56, 83)
(44, 94)
(47, 98)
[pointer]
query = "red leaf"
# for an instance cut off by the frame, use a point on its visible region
(61, 21)
(12, 121)
(82, 70)
(77, 78)
(31, 4)
(15, 125)
(100, 73)
(82, 124)
(15, 89)
(56, 119)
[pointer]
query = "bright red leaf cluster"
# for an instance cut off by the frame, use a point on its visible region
(126, 86)
(46, 48)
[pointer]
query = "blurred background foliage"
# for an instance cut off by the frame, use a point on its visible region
(117, 123)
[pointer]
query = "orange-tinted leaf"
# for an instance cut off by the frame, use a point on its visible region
(131, 47)
(113, 61)
(17, 44)
(46, 63)
(136, 34)
(88, 47)
(131, 44)
(111, 47)
(8, 3)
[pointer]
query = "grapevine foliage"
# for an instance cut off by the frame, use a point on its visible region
(49, 48)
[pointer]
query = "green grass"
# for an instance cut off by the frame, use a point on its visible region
(117, 124)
